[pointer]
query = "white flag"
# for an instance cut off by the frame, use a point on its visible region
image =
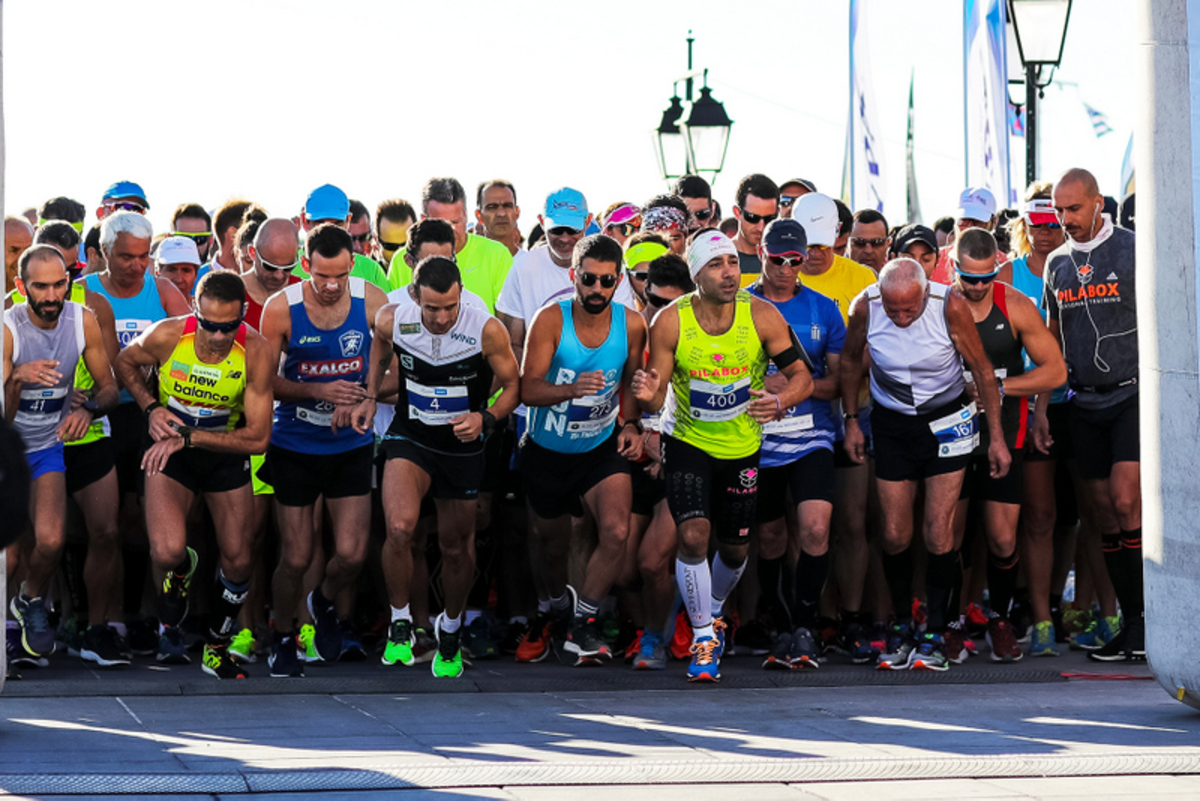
(867, 188)
(985, 79)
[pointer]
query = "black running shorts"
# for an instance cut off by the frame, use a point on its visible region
(87, 463)
(722, 491)
(208, 471)
(906, 449)
(130, 438)
(1103, 437)
(647, 491)
(556, 482)
(978, 484)
(1060, 432)
(300, 478)
(455, 477)
(809, 478)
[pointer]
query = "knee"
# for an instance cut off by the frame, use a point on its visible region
(772, 540)
(166, 555)
(616, 536)
(814, 539)
(295, 558)
(104, 537)
(236, 565)
(400, 533)
(693, 543)
(1128, 507)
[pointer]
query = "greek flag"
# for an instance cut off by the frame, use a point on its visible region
(867, 171)
(985, 97)
(1099, 121)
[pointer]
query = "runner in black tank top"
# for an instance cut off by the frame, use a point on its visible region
(1008, 324)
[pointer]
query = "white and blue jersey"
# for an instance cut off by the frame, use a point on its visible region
(131, 315)
(809, 425)
(320, 356)
(580, 424)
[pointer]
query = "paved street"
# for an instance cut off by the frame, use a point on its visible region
(495, 735)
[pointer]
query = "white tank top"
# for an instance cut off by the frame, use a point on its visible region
(917, 369)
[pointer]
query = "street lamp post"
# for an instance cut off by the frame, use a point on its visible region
(698, 141)
(1040, 27)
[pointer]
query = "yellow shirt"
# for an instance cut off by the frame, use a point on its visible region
(204, 395)
(841, 283)
(484, 265)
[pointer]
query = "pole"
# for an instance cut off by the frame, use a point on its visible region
(689, 167)
(1031, 123)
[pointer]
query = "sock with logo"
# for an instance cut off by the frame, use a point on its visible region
(228, 598)
(695, 587)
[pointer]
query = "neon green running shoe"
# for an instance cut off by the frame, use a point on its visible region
(242, 646)
(448, 658)
(173, 600)
(1042, 643)
(308, 644)
(400, 642)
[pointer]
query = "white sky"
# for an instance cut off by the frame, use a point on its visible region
(202, 101)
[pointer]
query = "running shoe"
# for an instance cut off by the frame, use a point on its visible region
(635, 645)
(477, 640)
(753, 638)
(307, 644)
(17, 655)
(172, 650)
(652, 652)
(400, 642)
(173, 601)
(328, 637)
(900, 644)
(827, 635)
(284, 660)
(704, 666)
(929, 654)
(424, 647)
(1043, 640)
(70, 634)
(804, 649)
(1098, 634)
(220, 664)
(513, 636)
(780, 657)
(920, 614)
(352, 647)
(37, 636)
(975, 621)
(954, 644)
(719, 627)
(584, 644)
(142, 637)
(448, 659)
(99, 645)
(536, 643)
(681, 637)
(1003, 641)
(857, 645)
(1075, 621)
(609, 627)
(242, 646)
(1129, 645)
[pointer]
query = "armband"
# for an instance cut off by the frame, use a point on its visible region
(786, 357)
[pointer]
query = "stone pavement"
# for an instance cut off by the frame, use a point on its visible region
(492, 735)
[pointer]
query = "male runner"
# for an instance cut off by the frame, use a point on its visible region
(715, 344)
(212, 411)
(579, 354)
(321, 443)
(44, 339)
(924, 429)
(448, 356)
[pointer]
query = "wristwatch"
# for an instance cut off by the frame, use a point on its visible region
(186, 433)
(849, 416)
(91, 406)
(637, 424)
(489, 421)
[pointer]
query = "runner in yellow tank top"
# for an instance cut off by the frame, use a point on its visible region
(714, 344)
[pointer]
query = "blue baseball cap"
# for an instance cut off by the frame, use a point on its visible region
(566, 208)
(125, 189)
(785, 237)
(327, 203)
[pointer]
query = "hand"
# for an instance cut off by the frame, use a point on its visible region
(468, 427)
(342, 417)
(654, 469)
(38, 371)
(78, 398)
(775, 382)
(999, 458)
(645, 385)
(157, 454)
(856, 442)
(75, 425)
(160, 425)
(340, 393)
(588, 384)
(1041, 434)
(765, 407)
(363, 416)
(629, 443)
(652, 446)
(972, 391)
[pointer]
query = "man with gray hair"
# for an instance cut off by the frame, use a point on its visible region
(924, 428)
(484, 263)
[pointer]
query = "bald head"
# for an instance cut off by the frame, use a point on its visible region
(901, 276)
(18, 236)
(1078, 175)
(277, 240)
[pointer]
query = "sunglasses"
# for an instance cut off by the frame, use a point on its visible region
(608, 281)
(818, 248)
(199, 237)
(640, 275)
(386, 245)
(862, 242)
(1049, 226)
(626, 229)
(977, 278)
(279, 268)
(218, 328)
(755, 219)
(788, 261)
(786, 201)
(124, 206)
(564, 230)
(361, 239)
(657, 301)
(703, 214)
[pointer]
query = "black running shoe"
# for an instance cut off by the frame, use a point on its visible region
(219, 664)
(142, 637)
(37, 635)
(172, 650)
(328, 639)
(173, 600)
(284, 661)
(584, 644)
(1129, 645)
(100, 645)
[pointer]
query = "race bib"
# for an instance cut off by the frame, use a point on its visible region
(436, 406)
(956, 433)
(199, 416)
(789, 425)
(592, 414)
(38, 406)
(717, 403)
(315, 417)
(652, 422)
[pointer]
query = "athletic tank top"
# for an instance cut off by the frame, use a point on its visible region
(442, 377)
(711, 383)
(320, 355)
(1034, 288)
(200, 394)
(253, 314)
(1004, 351)
(580, 424)
(915, 369)
(40, 409)
(132, 315)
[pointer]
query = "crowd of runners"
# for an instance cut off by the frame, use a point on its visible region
(439, 433)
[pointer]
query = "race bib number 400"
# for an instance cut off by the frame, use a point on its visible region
(717, 403)
(956, 433)
(436, 406)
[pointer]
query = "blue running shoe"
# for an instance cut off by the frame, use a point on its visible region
(930, 654)
(328, 639)
(1042, 640)
(172, 650)
(652, 652)
(37, 636)
(705, 665)
(719, 627)
(900, 644)
(1099, 633)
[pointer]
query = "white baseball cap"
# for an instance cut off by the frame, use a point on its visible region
(819, 216)
(976, 203)
(178, 250)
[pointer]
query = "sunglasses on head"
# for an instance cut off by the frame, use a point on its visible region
(1048, 226)
(218, 328)
(794, 260)
(976, 278)
(862, 242)
(608, 281)
(199, 237)
(564, 230)
(755, 219)
(657, 301)
(626, 229)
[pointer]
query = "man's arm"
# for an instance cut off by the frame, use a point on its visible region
(173, 301)
(781, 346)
(380, 356)
(850, 367)
(108, 323)
(12, 385)
(498, 352)
(828, 387)
(146, 353)
(536, 390)
(1050, 370)
(966, 340)
(650, 386)
(258, 406)
(631, 437)
(516, 334)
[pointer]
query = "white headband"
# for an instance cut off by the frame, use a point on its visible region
(706, 247)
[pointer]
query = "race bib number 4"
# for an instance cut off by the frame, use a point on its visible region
(717, 403)
(436, 406)
(956, 433)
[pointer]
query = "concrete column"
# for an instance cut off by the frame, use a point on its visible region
(1167, 138)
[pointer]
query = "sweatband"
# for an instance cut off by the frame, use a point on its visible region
(706, 247)
(643, 252)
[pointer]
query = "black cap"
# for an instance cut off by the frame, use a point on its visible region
(913, 233)
(804, 182)
(784, 236)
